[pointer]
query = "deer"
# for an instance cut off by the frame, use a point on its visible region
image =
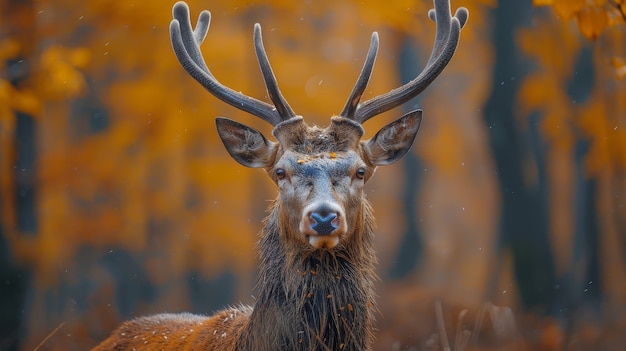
(315, 288)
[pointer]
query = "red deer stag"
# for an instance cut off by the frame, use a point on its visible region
(316, 274)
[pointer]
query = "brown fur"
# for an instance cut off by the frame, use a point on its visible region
(182, 331)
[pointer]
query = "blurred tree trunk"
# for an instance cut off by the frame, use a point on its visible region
(610, 179)
(523, 226)
(410, 246)
(23, 24)
(582, 282)
(18, 173)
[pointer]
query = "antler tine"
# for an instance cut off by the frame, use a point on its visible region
(364, 77)
(461, 13)
(192, 38)
(284, 110)
(446, 40)
(186, 44)
(441, 16)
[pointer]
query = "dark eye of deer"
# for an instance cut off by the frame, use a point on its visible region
(360, 173)
(280, 173)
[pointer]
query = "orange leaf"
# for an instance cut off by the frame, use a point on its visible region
(9, 48)
(542, 2)
(620, 66)
(26, 101)
(592, 21)
(567, 9)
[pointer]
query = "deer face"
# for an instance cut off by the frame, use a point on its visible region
(320, 173)
(320, 193)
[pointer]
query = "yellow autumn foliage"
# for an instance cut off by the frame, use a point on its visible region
(59, 75)
(592, 20)
(592, 16)
(568, 9)
(619, 63)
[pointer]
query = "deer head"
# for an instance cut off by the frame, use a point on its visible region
(320, 171)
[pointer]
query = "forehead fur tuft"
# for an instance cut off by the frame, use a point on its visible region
(341, 135)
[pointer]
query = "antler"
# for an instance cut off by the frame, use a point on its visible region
(186, 43)
(361, 82)
(446, 40)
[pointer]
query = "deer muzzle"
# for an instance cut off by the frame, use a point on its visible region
(323, 224)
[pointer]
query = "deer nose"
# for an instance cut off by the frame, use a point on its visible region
(323, 221)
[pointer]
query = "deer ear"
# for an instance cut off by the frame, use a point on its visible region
(246, 145)
(393, 140)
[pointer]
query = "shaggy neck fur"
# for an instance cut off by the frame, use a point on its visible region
(313, 299)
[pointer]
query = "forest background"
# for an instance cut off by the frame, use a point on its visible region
(117, 198)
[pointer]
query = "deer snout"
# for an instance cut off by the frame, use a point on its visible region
(323, 224)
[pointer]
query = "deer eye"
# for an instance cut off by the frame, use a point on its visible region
(280, 173)
(360, 173)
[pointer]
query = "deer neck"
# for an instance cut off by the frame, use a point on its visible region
(313, 299)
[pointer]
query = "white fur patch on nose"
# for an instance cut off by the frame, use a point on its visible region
(323, 241)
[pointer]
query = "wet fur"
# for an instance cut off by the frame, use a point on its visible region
(313, 299)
